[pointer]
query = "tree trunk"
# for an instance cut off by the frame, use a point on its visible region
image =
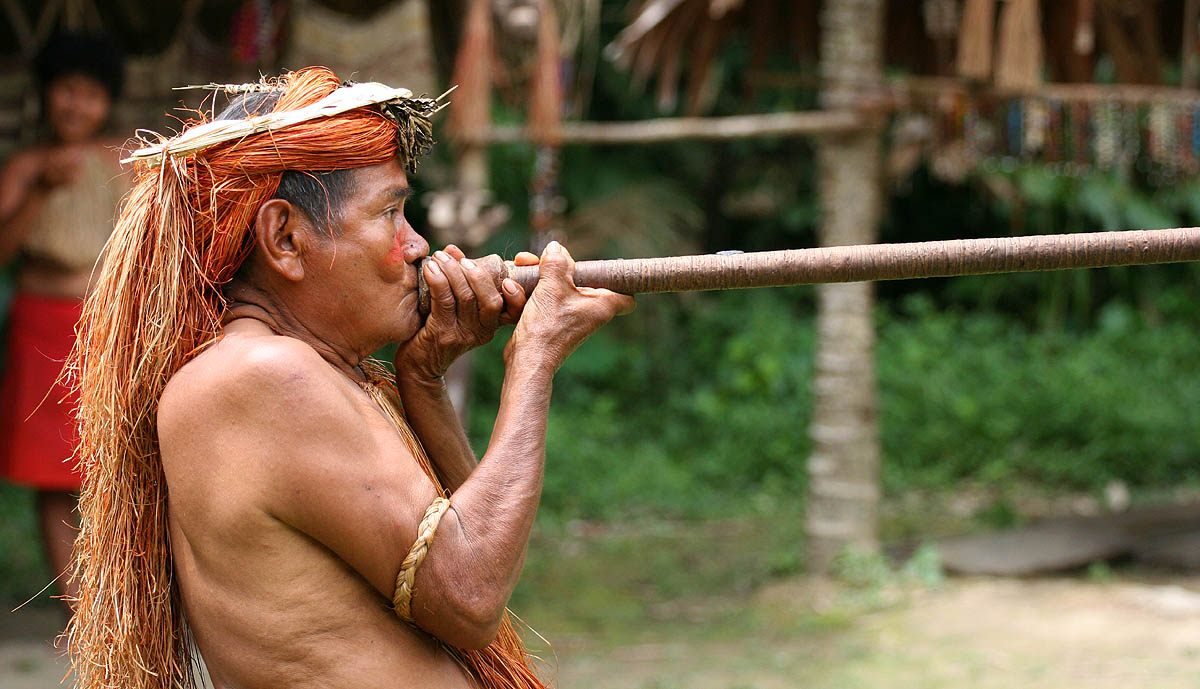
(844, 466)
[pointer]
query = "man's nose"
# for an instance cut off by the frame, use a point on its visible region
(415, 246)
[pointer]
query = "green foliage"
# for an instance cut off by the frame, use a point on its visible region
(23, 570)
(984, 397)
(655, 419)
(999, 514)
(1038, 199)
(862, 569)
(719, 423)
(1100, 572)
(925, 567)
(869, 581)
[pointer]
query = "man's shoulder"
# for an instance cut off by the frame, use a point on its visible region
(241, 378)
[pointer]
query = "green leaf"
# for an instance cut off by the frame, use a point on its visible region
(1098, 199)
(1141, 213)
(1189, 200)
(1039, 186)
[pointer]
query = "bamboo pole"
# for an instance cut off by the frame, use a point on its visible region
(1191, 17)
(868, 262)
(1125, 93)
(803, 123)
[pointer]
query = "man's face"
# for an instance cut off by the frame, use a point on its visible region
(367, 273)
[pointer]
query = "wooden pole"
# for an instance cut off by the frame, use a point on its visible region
(869, 262)
(1126, 93)
(1191, 16)
(804, 123)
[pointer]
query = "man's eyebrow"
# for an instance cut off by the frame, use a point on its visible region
(398, 193)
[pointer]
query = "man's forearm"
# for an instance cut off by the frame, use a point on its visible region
(431, 414)
(481, 542)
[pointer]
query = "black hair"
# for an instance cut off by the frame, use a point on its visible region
(91, 54)
(319, 194)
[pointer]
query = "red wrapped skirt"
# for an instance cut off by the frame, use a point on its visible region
(37, 424)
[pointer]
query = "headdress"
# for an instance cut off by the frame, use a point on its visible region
(181, 235)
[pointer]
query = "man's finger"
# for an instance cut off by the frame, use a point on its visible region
(524, 258)
(514, 301)
(454, 252)
(468, 311)
(441, 298)
(557, 264)
(486, 295)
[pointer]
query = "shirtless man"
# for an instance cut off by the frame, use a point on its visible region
(293, 501)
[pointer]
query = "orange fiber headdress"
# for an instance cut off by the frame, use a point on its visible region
(181, 234)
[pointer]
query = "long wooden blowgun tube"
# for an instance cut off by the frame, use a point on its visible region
(867, 262)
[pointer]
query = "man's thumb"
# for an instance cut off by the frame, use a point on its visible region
(556, 262)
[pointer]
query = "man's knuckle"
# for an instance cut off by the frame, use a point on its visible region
(493, 302)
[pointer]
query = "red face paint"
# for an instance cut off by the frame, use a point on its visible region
(396, 254)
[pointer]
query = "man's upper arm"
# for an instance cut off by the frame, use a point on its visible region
(321, 465)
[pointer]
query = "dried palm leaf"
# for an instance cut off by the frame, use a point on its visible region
(473, 68)
(975, 39)
(1019, 52)
(545, 93)
(397, 104)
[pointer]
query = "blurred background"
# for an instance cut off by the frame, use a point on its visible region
(986, 480)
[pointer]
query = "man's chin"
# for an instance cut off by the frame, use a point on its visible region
(409, 320)
(404, 337)
(411, 324)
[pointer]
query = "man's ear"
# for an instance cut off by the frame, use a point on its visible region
(278, 234)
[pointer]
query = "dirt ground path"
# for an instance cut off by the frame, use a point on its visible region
(985, 633)
(981, 633)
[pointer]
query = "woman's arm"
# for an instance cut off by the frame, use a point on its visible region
(24, 183)
(21, 199)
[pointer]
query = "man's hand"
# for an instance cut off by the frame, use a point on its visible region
(559, 316)
(466, 309)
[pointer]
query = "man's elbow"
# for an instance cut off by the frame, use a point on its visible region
(474, 637)
(475, 624)
(466, 621)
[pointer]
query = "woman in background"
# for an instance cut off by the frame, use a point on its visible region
(58, 200)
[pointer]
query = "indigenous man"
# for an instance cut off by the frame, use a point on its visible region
(250, 468)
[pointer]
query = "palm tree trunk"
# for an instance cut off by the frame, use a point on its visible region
(844, 466)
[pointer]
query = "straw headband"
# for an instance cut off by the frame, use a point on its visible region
(412, 114)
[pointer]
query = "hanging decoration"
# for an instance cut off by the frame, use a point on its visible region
(1154, 133)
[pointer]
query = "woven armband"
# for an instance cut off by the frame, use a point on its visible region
(402, 598)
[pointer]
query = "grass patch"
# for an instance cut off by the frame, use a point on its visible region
(23, 568)
(640, 579)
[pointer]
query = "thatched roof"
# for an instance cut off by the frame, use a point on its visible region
(675, 43)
